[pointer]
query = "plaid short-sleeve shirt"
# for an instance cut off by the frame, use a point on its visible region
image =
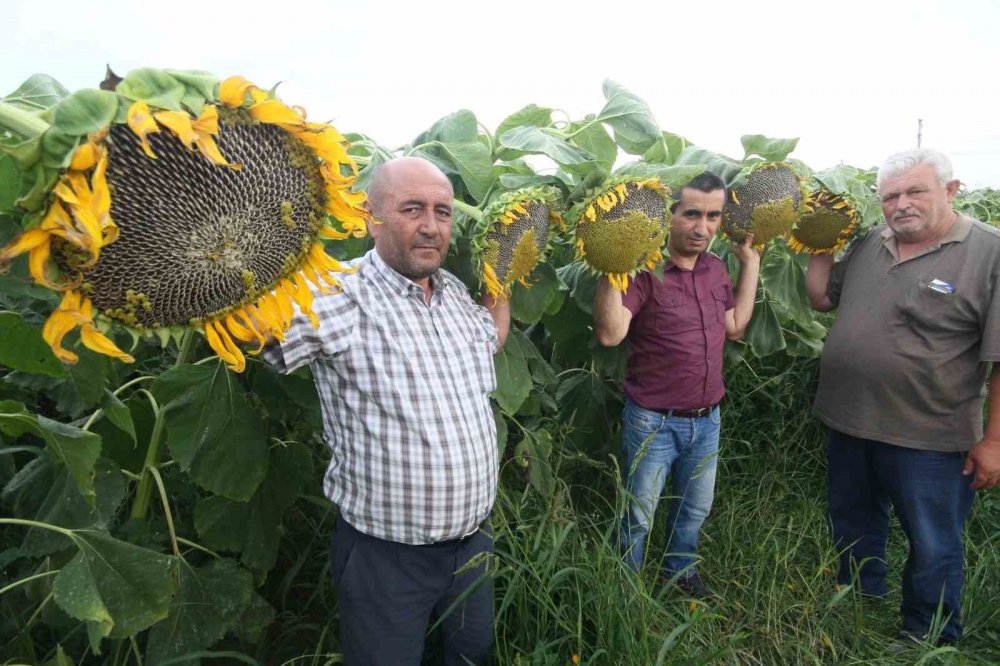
(404, 387)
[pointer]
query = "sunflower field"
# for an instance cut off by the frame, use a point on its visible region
(160, 486)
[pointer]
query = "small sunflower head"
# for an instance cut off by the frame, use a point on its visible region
(513, 235)
(827, 221)
(214, 221)
(622, 227)
(766, 204)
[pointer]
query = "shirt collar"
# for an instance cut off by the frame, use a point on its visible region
(699, 265)
(958, 232)
(401, 284)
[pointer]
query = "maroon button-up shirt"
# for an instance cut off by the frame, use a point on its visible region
(676, 335)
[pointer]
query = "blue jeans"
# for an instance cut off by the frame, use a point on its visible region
(931, 499)
(656, 446)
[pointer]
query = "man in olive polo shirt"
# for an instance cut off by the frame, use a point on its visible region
(902, 382)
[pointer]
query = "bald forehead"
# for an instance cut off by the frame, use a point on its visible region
(404, 172)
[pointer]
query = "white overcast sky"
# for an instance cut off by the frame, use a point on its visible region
(849, 77)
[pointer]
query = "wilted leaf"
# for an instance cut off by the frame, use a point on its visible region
(212, 430)
(210, 602)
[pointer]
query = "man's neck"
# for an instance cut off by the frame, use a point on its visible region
(684, 262)
(909, 250)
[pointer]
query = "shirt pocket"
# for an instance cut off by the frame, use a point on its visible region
(719, 295)
(674, 313)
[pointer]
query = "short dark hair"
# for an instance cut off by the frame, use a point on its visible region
(703, 182)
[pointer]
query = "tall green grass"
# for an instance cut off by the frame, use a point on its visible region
(562, 591)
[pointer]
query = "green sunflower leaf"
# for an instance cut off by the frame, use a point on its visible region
(726, 168)
(535, 140)
(210, 602)
(474, 164)
(595, 140)
(253, 528)
(85, 111)
(783, 278)
(255, 619)
(212, 430)
(153, 86)
(57, 148)
(66, 446)
(457, 127)
(200, 82)
(764, 333)
(118, 413)
(513, 376)
(23, 348)
(772, 150)
(529, 305)
(45, 492)
(117, 588)
(10, 183)
(583, 404)
(630, 118)
(38, 93)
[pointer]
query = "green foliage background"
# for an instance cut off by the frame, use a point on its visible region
(171, 512)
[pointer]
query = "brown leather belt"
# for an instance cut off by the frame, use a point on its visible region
(688, 413)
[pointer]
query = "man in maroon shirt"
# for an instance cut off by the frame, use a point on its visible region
(676, 327)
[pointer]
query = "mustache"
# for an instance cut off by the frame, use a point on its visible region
(902, 213)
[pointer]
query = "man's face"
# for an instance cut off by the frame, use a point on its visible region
(916, 206)
(415, 215)
(695, 221)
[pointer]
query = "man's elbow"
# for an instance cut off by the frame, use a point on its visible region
(820, 303)
(736, 334)
(608, 338)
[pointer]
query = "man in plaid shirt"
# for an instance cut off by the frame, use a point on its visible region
(403, 363)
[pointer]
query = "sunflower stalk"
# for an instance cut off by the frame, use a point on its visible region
(20, 122)
(468, 209)
(144, 492)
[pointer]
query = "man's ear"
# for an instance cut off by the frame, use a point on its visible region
(952, 186)
(373, 223)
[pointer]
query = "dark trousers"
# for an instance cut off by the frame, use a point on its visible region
(388, 593)
(931, 499)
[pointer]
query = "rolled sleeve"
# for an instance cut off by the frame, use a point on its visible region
(485, 320)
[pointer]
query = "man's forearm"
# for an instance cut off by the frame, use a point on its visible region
(500, 311)
(611, 317)
(817, 279)
(746, 293)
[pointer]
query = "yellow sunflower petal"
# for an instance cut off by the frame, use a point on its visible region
(26, 242)
(219, 347)
(179, 123)
(304, 298)
(207, 146)
(233, 91)
(85, 156)
(275, 112)
(65, 318)
(208, 121)
(141, 121)
(98, 342)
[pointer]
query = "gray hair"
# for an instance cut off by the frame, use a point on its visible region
(908, 159)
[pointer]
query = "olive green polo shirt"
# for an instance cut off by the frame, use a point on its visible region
(907, 357)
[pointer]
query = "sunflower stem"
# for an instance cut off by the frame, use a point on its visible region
(143, 493)
(21, 122)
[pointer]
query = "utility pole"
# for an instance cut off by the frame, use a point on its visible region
(920, 127)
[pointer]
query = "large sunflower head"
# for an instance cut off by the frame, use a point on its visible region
(826, 223)
(622, 227)
(512, 237)
(167, 218)
(767, 204)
